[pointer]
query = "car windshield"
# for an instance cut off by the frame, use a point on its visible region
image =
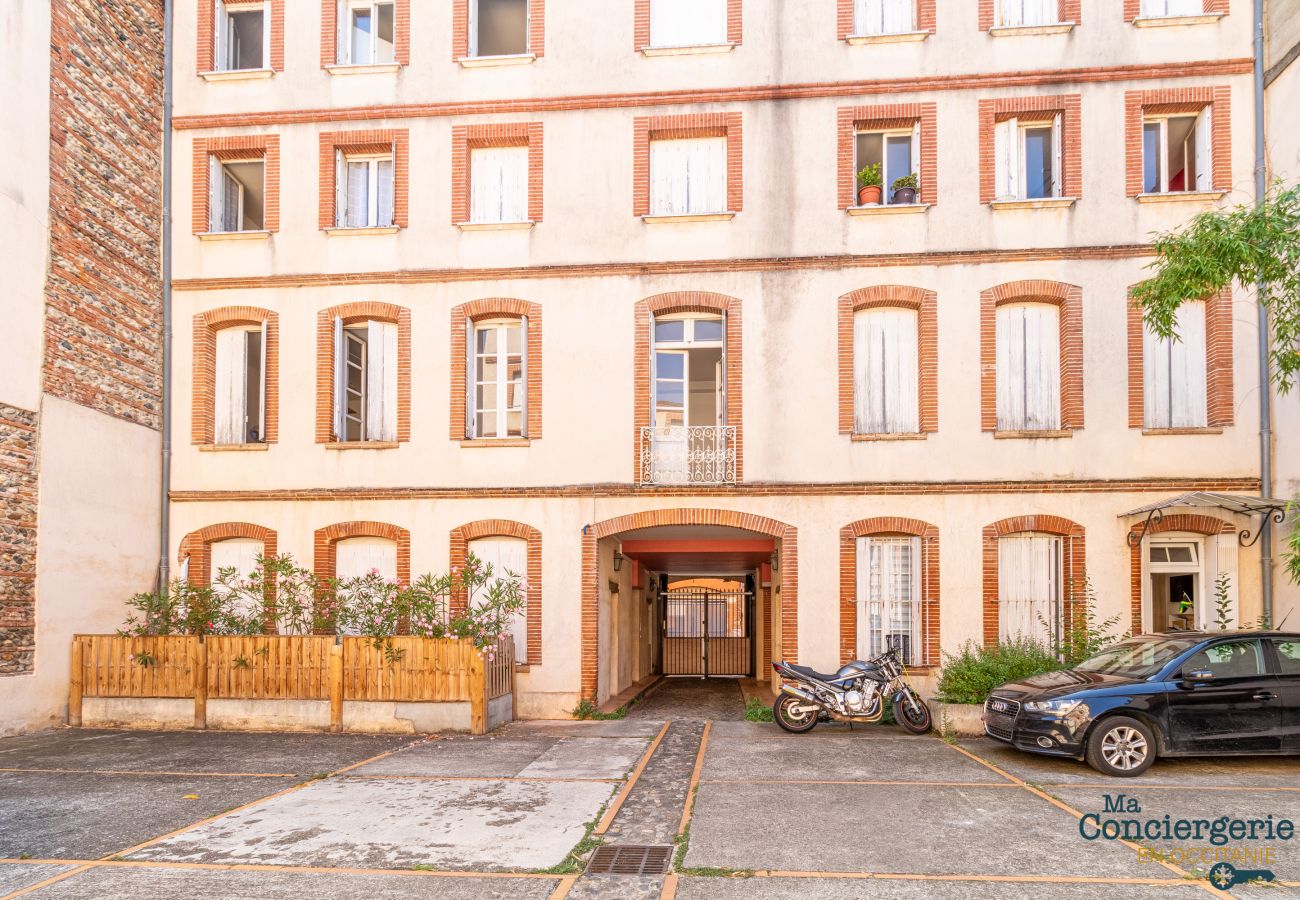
(1137, 658)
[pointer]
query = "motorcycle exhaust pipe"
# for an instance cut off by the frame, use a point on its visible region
(793, 691)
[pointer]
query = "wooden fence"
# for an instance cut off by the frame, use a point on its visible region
(289, 667)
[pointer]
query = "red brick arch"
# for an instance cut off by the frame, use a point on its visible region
(899, 296)
(492, 308)
(1193, 523)
(327, 538)
(203, 404)
(197, 547)
(591, 534)
(352, 313)
(884, 526)
(1072, 562)
(484, 528)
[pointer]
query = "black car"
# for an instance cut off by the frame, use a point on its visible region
(1181, 694)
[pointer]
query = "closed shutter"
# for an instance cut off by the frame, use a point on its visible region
(340, 382)
(688, 176)
(889, 597)
(499, 184)
(1204, 158)
(668, 177)
(686, 23)
(381, 381)
(1006, 154)
(1028, 367)
(342, 31)
(1175, 373)
(707, 170)
(869, 16)
(885, 371)
(239, 554)
(358, 202)
(231, 386)
(897, 16)
(1029, 587)
(508, 558)
(384, 190)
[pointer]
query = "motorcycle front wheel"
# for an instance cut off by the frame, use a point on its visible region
(789, 715)
(917, 721)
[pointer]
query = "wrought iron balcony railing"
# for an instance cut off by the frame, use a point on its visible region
(688, 454)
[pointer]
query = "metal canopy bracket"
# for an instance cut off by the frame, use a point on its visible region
(1268, 510)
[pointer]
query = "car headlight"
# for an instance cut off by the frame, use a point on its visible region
(1056, 707)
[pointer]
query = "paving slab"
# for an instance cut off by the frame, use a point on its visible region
(86, 816)
(576, 757)
(891, 889)
(691, 698)
(464, 757)
(16, 877)
(197, 884)
(385, 824)
(887, 828)
(610, 728)
(192, 751)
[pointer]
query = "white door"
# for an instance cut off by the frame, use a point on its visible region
(508, 558)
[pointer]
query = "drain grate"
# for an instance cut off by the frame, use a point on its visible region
(630, 859)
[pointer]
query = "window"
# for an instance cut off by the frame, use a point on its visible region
(1162, 8)
(364, 188)
(1288, 657)
(1027, 158)
(1020, 13)
(884, 17)
(1176, 153)
(236, 195)
(897, 153)
(688, 23)
(365, 33)
(1180, 554)
(1028, 367)
(885, 389)
(1236, 659)
(237, 558)
(240, 399)
(889, 597)
(241, 36)
(498, 184)
(688, 176)
(1029, 586)
(359, 557)
(687, 442)
(1174, 373)
(497, 396)
(365, 381)
(498, 27)
(508, 558)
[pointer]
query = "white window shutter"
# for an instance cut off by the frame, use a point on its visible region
(514, 201)
(1028, 585)
(1006, 155)
(385, 186)
(1187, 369)
(340, 381)
(684, 23)
(219, 34)
(897, 16)
(523, 362)
(357, 557)
(231, 387)
(1204, 158)
(261, 406)
(471, 376)
(668, 176)
(706, 175)
(916, 160)
(381, 381)
(508, 557)
(266, 34)
(358, 194)
(863, 358)
(1058, 173)
(473, 25)
(1010, 326)
(342, 34)
(482, 175)
(869, 16)
(1042, 367)
(216, 194)
(885, 372)
(340, 189)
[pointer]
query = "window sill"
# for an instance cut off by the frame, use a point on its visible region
(691, 50)
(898, 37)
(887, 209)
(1040, 203)
(231, 448)
(490, 62)
(1017, 30)
(238, 75)
(693, 217)
(1166, 431)
(495, 226)
(1165, 21)
(348, 232)
(362, 445)
(907, 436)
(497, 442)
(1030, 435)
(1176, 196)
(234, 235)
(368, 69)
(523, 668)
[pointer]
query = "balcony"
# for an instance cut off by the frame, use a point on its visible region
(688, 454)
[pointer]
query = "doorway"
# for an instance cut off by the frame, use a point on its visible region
(1174, 568)
(707, 625)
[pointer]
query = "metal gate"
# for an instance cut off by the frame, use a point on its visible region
(707, 632)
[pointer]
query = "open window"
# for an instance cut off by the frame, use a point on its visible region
(1174, 372)
(1027, 13)
(366, 32)
(896, 152)
(240, 389)
(885, 371)
(498, 184)
(497, 395)
(688, 23)
(498, 27)
(241, 35)
(1159, 9)
(365, 381)
(1028, 367)
(1176, 153)
(1027, 158)
(237, 195)
(874, 17)
(688, 176)
(364, 190)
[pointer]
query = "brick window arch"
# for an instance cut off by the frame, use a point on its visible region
(352, 313)
(197, 546)
(1193, 523)
(928, 582)
(492, 308)
(488, 528)
(326, 545)
(1073, 559)
(235, 147)
(1216, 99)
(680, 302)
(1069, 299)
(203, 404)
(925, 304)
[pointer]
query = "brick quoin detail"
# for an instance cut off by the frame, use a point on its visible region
(680, 302)
(641, 22)
(1066, 105)
(1218, 362)
(465, 138)
(1133, 8)
(464, 535)
(460, 28)
(591, 534)
(352, 313)
(395, 141)
(1069, 298)
(203, 406)
(852, 119)
(845, 25)
(1188, 522)
(649, 128)
(495, 308)
(1068, 11)
(889, 526)
(1073, 561)
(197, 547)
(265, 146)
(207, 25)
(900, 297)
(1218, 100)
(329, 32)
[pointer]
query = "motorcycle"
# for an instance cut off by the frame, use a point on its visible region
(856, 693)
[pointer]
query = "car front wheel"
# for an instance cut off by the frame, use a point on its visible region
(1121, 747)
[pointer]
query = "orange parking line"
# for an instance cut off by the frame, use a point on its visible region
(1000, 879)
(962, 784)
(562, 889)
(670, 887)
(53, 879)
(1169, 787)
(689, 808)
(484, 778)
(135, 772)
(608, 819)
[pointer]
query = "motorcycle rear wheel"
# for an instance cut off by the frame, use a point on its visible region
(783, 710)
(916, 721)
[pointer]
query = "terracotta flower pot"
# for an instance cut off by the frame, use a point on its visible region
(869, 194)
(905, 195)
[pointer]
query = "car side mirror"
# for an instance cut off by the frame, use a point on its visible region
(1198, 676)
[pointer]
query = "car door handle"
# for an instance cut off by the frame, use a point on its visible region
(1264, 696)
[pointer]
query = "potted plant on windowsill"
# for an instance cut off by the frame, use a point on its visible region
(905, 189)
(869, 181)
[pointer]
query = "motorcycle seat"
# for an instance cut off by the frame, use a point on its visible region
(813, 673)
